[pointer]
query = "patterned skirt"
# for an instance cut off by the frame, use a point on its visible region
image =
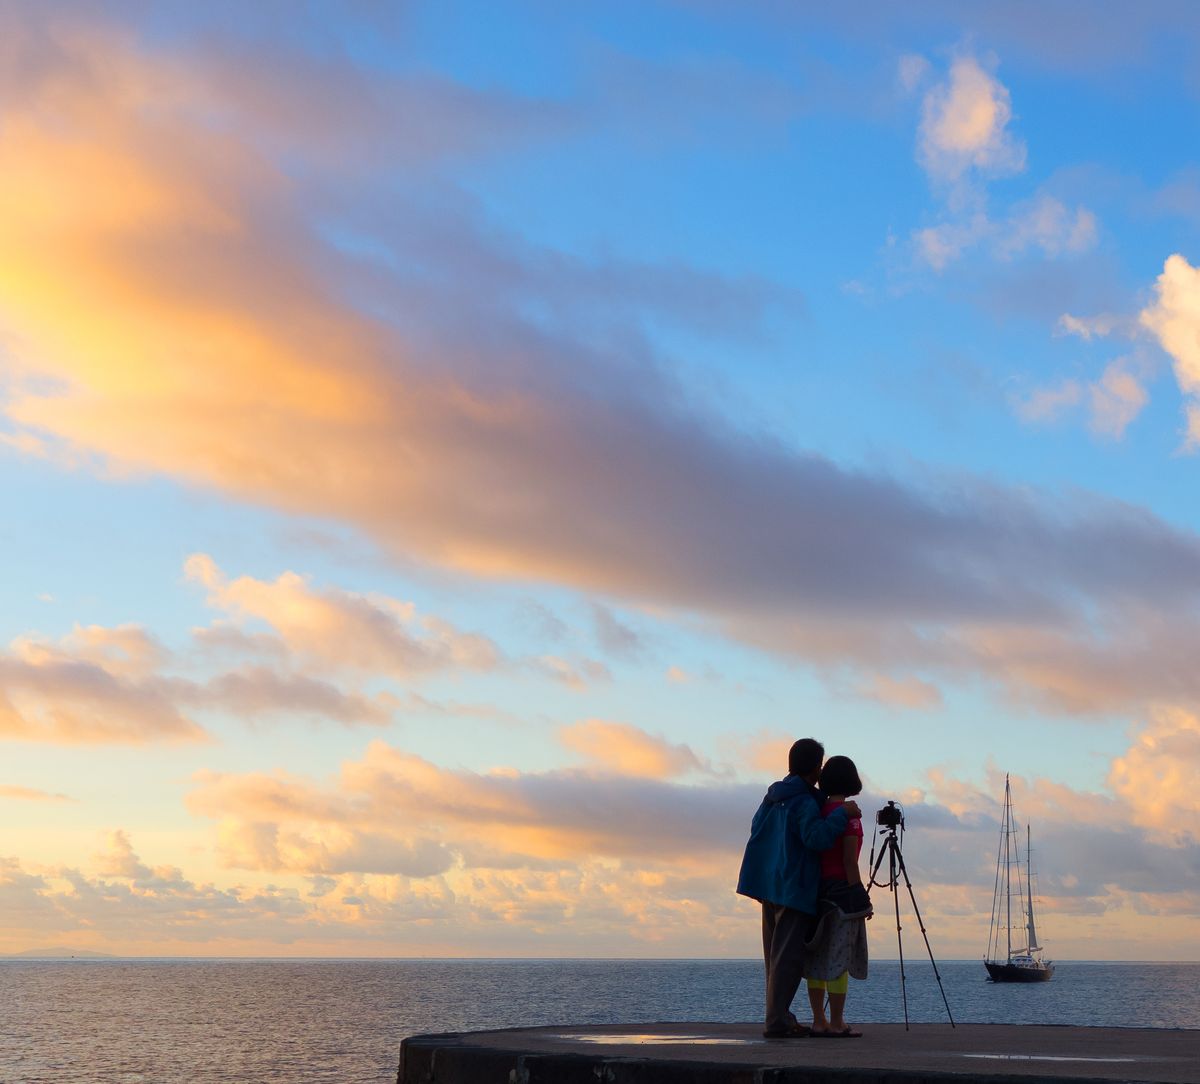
(838, 944)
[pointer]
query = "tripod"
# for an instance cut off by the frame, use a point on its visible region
(890, 848)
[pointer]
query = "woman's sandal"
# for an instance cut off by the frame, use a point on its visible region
(846, 1033)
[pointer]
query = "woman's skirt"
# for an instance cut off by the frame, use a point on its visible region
(838, 944)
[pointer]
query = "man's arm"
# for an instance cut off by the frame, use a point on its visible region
(816, 832)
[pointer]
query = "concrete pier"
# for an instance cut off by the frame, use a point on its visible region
(738, 1054)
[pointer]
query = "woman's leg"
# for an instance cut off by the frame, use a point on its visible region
(838, 988)
(816, 1002)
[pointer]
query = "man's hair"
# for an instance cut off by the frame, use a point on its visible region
(840, 776)
(805, 756)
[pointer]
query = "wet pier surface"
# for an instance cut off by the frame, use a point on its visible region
(738, 1054)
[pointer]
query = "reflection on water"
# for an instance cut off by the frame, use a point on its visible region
(294, 1021)
(652, 1040)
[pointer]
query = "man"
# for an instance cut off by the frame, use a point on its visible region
(781, 869)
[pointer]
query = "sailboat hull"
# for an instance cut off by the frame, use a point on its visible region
(1015, 973)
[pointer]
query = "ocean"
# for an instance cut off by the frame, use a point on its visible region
(293, 1021)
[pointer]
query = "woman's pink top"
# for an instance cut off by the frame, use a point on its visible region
(833, 863)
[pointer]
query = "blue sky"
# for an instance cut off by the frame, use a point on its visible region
(507, 401)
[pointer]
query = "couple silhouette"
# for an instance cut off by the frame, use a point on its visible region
(801, 865)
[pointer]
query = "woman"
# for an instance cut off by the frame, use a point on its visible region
(838, 948)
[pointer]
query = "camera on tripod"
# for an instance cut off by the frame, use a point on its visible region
(890, 816)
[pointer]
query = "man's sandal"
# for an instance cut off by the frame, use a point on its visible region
(792, 1031)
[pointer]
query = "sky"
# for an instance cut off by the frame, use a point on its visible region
(451, 450)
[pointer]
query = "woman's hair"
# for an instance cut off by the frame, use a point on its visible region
(840, 776)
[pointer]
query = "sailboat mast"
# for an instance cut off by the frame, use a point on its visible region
(1007, 868)
(1029, 885)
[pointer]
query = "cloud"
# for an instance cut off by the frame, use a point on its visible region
(911, 692)
(1120, 661)
(1174, 319)
(120, 685)
(941, 245)
(1116, 400)
(613, 851)
(390, 803)
(126, 650)
(1050, 403)
(50, 696)
(1046, 223)
(963, 142)
(1043, 224)
(397, 850)
(118, 860)
(254, 692)
(1113, 401)
(964, 125)
(626, 750)
(1159, 775)
(343, 630)
(30, 794)
(578, 674)
(182, 314)
(613, 636)
(764, 752)
(128, 906)
(1091, 327)
(911, 70)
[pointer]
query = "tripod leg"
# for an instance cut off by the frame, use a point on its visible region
(920, 922)
(893, 851)
(874, 878)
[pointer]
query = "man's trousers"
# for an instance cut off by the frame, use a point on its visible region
(784, 932)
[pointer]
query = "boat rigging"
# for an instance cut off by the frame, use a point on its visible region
(1006, 962)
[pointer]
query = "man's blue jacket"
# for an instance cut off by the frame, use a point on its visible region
(782, 863)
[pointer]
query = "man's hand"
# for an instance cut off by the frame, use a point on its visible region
(852, 810)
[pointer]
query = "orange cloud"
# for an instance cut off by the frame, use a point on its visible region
(627, 750)
(388, 808)
(341, 629)
(1159, 774)
(29, 794)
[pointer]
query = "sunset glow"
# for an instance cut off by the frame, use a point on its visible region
(451, 450)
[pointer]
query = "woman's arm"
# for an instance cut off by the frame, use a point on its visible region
(850, 859)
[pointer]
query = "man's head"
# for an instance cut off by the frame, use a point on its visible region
(804, 759)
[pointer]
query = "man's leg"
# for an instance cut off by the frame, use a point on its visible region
(769, 911)
(784, 932)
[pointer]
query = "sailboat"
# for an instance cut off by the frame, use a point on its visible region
(1006, 961)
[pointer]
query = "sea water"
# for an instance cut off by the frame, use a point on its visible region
(288, 1021)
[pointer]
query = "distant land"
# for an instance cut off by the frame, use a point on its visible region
(58, 952)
